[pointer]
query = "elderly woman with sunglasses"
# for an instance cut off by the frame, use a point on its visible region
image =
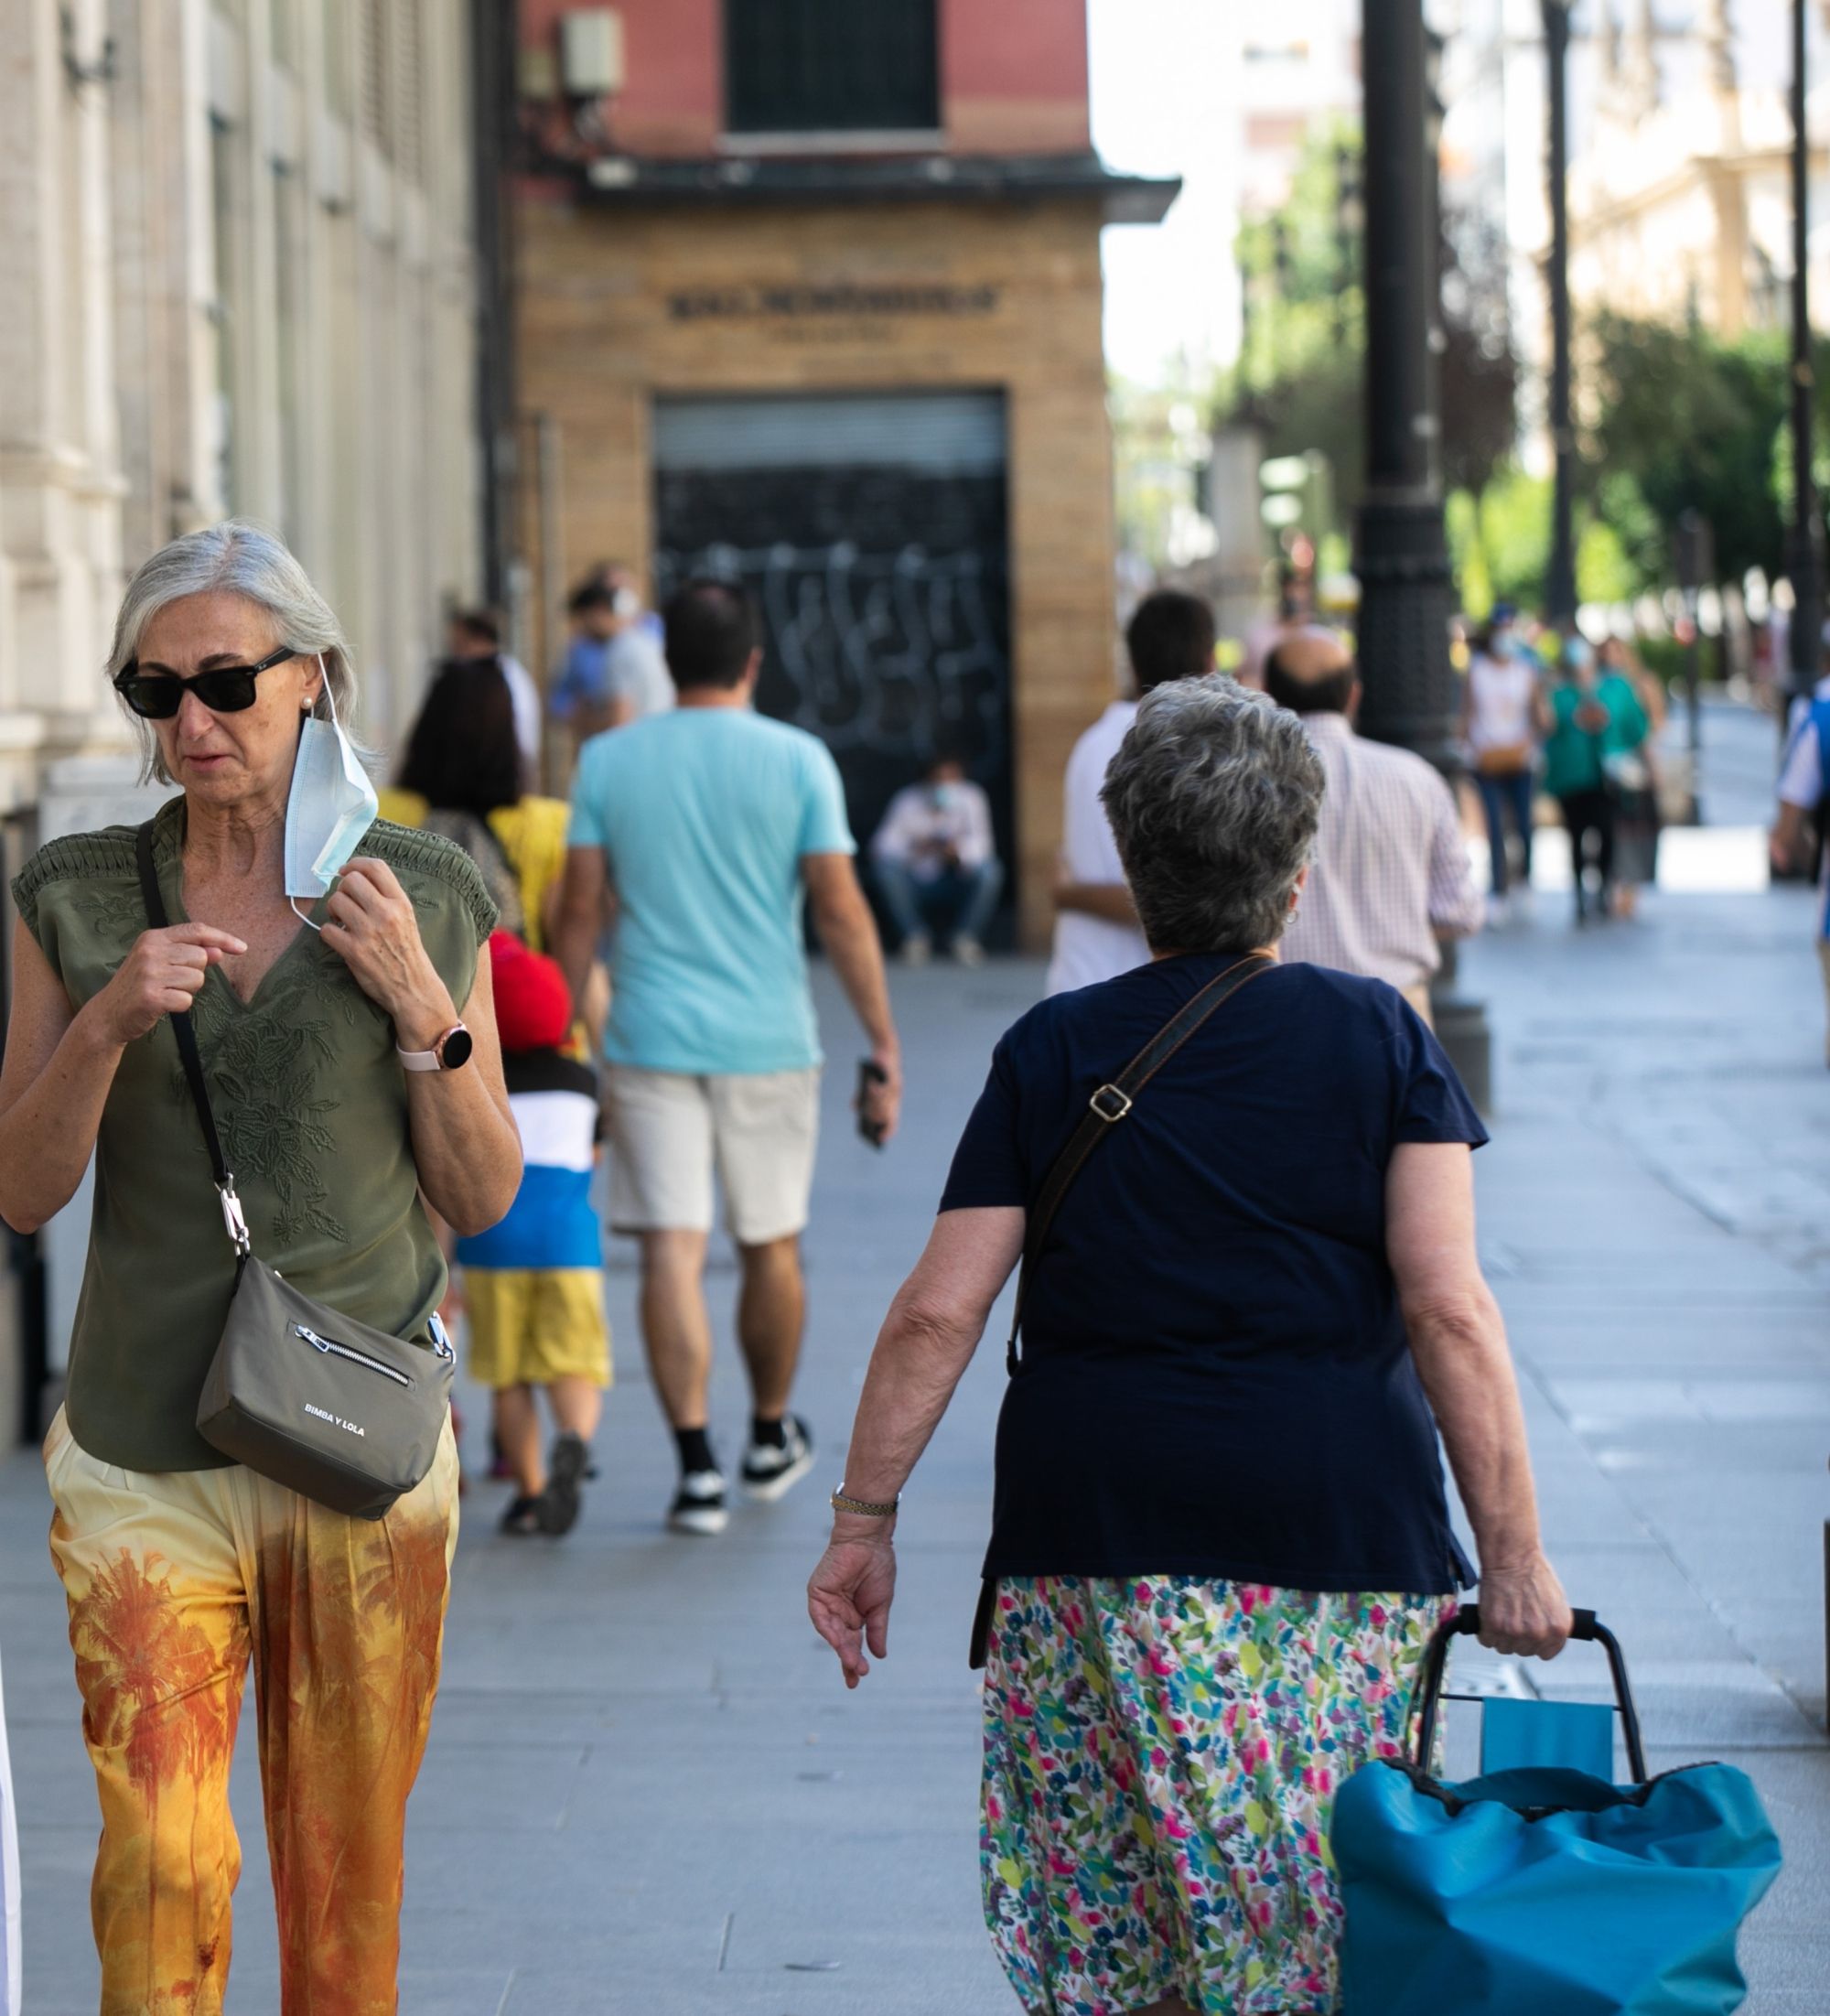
(350, 1047)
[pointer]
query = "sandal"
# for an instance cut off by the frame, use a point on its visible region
(522, 1517)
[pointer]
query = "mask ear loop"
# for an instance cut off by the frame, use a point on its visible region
(330, 698)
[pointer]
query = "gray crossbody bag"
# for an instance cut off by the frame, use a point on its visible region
(345, 1414)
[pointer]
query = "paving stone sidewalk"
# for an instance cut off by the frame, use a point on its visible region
(647, 1792)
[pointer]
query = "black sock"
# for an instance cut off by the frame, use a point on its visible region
(695, 1450)
(768, 1434)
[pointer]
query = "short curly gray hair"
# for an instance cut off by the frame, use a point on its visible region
(1215, 797)
(240, 557)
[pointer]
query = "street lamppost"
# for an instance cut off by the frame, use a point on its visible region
(1402, 556)
(1807, 538)
(1560, 582)
(1410, 696)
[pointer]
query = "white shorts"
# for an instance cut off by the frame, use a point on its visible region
(669, 1132)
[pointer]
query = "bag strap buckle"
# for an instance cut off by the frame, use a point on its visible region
(1110, 1104)
(233, 1223)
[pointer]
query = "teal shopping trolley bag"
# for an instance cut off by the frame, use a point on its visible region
(1544, 1890)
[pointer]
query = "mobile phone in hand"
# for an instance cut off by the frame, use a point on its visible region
(870, 1075)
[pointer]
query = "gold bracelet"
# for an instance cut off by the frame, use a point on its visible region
(866, 1508)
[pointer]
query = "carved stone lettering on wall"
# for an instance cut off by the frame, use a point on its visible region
(792, 305)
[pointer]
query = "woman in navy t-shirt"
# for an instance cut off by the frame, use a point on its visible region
(1220, 1540)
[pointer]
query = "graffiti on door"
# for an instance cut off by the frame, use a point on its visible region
(886, 655)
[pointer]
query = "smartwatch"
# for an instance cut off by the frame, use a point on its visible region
(448, 1053)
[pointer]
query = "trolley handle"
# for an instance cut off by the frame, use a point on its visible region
(1586, 1626)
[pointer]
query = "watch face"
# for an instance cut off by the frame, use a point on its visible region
(455, 1050)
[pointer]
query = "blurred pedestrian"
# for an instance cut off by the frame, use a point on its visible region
(1500, 729)
(934, 859)
(1633, 780)
(461, 776)
(709, 828)
(1296, 616)
(1170, 636)
(613, 672)
(1595, 720)
(478, 633)
(1220, 1540)
(1804, 797)
(533, 1285)
(1390, 879)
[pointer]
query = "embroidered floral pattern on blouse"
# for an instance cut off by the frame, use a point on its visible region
(261, 1062)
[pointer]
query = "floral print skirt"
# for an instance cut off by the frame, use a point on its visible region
(1161, 1757)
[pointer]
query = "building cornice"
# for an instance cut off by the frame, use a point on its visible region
(626, 181)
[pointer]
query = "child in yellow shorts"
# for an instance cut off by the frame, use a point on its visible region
(533, 1285)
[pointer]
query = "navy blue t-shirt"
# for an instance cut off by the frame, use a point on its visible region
(1216, 1380)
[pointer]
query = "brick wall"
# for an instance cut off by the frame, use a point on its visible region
(600, 335)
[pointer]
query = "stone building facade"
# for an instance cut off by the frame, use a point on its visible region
(812, 295)
(239, 249)
(241, 277)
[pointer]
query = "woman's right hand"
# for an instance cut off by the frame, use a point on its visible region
(161, 975)
(848, 1598)
(1523, 1610)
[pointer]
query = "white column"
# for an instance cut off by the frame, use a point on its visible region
(59, 480)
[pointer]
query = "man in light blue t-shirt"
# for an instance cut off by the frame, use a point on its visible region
(707, 830)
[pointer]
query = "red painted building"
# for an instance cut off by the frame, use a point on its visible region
(808, 291)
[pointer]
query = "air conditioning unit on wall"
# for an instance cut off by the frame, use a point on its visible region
(591, 52)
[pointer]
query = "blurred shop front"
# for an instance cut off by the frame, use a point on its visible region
(809, 293)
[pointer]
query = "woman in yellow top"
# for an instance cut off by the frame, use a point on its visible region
(461, 776)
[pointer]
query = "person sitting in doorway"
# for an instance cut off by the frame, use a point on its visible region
(935, 861)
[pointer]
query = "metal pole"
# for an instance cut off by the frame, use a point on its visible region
(1406, 596)
(1402, 556)
(1560, 582)
(1807, 535)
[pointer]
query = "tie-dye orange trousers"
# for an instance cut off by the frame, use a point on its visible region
(177, 1582)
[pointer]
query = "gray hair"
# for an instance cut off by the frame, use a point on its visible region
(235, 557)
(1215, 797)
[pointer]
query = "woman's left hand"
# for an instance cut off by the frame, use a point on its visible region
(848, 1596)
(370, 925)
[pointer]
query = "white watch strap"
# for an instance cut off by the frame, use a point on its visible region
(417, 1060)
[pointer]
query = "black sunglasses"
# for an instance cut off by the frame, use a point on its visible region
(223, 689)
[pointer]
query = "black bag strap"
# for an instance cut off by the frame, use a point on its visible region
(1109, 1105)
(185, 1034)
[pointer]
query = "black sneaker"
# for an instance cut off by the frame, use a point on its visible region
(769, 1473)
(565, 1468)
(699, 1505)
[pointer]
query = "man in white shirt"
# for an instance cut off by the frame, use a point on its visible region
(1170, 636)
(478, 633)
(933, 858)
(1390, 877)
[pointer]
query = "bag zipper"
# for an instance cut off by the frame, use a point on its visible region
(345, 1351)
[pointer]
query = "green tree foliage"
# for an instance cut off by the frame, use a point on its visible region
(1302, 366)
(1689, 420)
(1499, 545)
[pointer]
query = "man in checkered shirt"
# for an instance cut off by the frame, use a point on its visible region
(1389, 877)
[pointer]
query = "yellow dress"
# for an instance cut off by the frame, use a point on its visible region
(532, 835)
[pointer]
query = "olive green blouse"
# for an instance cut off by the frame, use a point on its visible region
(311, 1106)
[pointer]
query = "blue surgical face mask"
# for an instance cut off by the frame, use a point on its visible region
(330, 806)
(945, 796)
